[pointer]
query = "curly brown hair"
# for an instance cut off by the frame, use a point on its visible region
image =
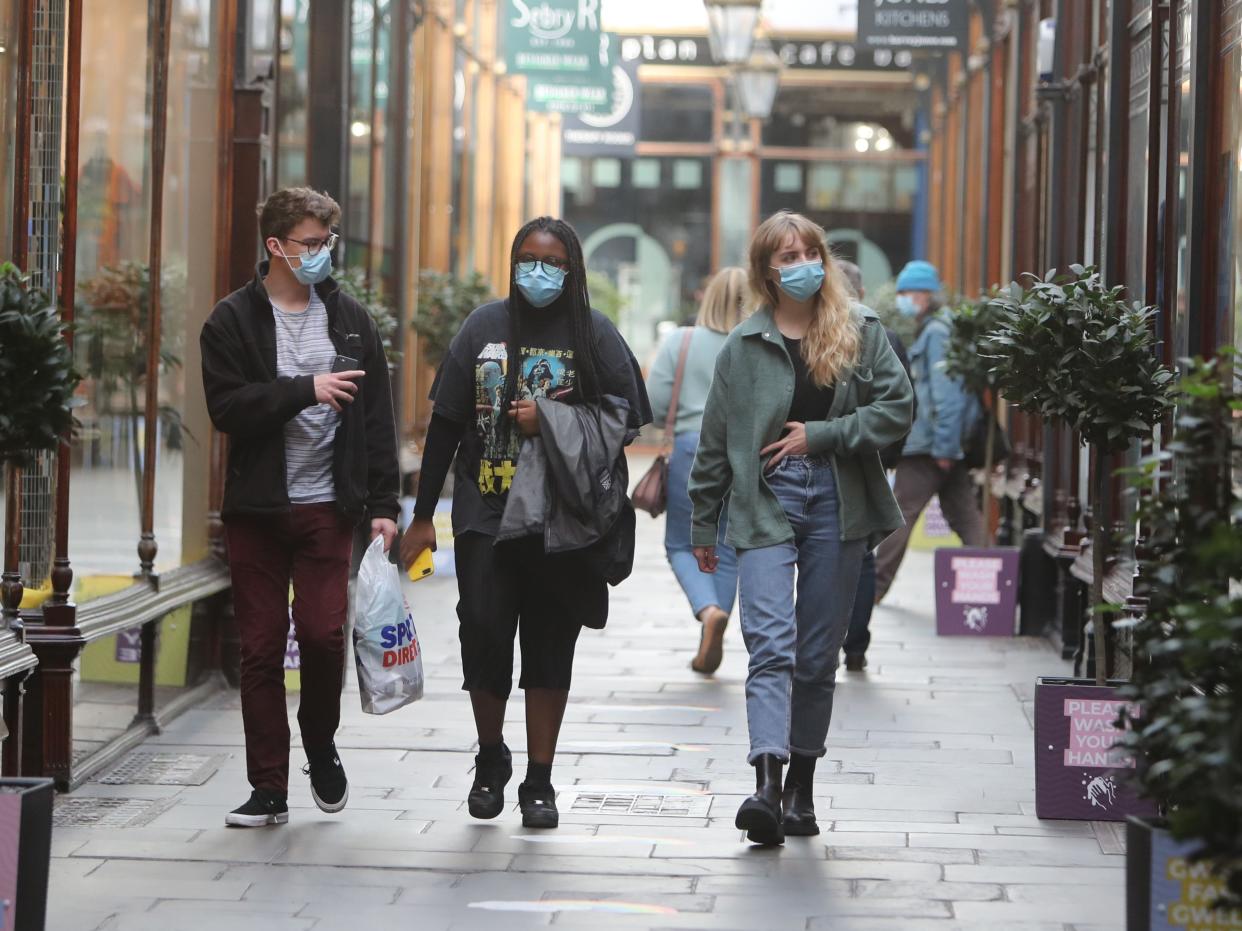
(286, 208)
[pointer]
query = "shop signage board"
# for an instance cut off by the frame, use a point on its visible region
(932, 530)
(976, 592)
(589, 92)
(614, 131)
(1080, 772)
(796, 53)
(553, 37)
(1182, 890)
(918, 25)
(10, 832)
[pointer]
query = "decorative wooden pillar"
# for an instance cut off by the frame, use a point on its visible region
(11, 588)
(47, 748)
(62, 571)
(161, 32)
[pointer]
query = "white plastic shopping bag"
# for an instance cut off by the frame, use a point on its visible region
(386, 648)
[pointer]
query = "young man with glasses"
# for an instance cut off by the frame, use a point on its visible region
(295, 375)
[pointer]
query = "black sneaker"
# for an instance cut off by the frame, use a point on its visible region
(264, 808)
(538, 807)
(329, 787)
(492, 773)
(855, 662)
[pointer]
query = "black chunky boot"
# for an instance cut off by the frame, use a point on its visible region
(760, 815)
(796, 801)
(493, 768)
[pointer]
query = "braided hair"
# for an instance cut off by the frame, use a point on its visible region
(574, 299)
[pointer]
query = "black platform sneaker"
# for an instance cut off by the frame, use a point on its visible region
(538, 807)
(492, 771)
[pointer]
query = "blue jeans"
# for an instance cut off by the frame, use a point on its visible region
(859, 636)
(794, 643)
(701, 590)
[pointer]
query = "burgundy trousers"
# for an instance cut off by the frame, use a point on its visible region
(310, 546)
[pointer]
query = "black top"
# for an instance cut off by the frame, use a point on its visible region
(249, 402)
(890, 455)
(469, 390)
(810, 402)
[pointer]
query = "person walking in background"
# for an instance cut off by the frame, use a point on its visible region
(931, 459)
(806, 393)
(295, 374)
(858, 637)
(543, 342)
(693, 351)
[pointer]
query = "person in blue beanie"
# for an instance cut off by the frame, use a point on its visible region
(931, 460)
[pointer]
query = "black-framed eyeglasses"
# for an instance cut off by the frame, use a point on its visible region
(549, 262)
(314, 245)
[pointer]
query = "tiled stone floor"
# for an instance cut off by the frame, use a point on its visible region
(926, 798)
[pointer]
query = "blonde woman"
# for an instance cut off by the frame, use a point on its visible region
(711, 599)
(806, 393)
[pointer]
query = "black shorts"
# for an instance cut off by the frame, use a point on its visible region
(516, 588)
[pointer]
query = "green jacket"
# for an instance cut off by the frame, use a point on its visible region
(747, 409)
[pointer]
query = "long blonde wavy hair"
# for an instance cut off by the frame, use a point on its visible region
(833, 341)
(724, 301)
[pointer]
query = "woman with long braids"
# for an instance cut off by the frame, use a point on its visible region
(543, 341)
(806, 393)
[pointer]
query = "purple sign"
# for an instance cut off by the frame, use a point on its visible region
(10, 835)
(1079, 773)
(129, 645)
(293, 652)
(976, 592)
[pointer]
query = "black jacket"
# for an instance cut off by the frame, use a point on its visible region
(249, 403)
(891, 454)
(570, 486)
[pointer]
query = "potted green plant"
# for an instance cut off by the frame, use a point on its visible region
(1187, 677)
(353, 282)
(37, 377)
(1071, 349)
(444, 302)
(111, 342)
(37, 382)
(605, 296)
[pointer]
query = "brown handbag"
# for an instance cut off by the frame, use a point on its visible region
(651, 492)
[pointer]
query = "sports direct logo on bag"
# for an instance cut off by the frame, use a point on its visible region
(386, 650)
(399, 641)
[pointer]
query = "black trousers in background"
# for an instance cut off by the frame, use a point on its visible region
(918, 479)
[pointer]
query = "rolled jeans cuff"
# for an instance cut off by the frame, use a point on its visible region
(781, 753)
(819, 754)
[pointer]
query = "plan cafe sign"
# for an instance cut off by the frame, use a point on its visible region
(553, 37)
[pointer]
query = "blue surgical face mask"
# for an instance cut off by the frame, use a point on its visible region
(906, 306)
(802, 281)
(539, 283)
(313, 269)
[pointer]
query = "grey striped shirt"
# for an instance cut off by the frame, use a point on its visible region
(304, 348)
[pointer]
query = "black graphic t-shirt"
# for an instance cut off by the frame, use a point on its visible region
(470, 388)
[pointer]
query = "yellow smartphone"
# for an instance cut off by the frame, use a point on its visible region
(423, 566)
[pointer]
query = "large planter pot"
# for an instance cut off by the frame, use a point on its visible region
(977, 591)
(1165, 888)
(1078, 773)
(25, 851)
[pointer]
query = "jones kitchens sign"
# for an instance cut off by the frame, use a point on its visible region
(921, 25)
